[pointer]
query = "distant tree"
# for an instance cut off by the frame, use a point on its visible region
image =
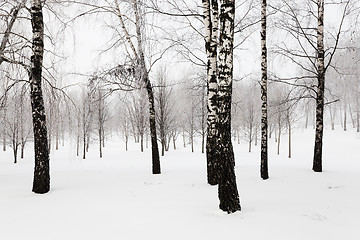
(165, 105)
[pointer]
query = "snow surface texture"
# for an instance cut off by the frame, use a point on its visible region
(117, 197)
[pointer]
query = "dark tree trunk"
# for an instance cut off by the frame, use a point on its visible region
(162, 147)
(126, 143)
(192, 142)
(264, 121)
(154, 145)
(317, 163)
(203, 142)
(228, 193)
(174, 141)
(41, 183)
(152, 116)
(15, 150)
(22, 150)
(289, 125)
(142, 142)
(100, 142)
(84, 147)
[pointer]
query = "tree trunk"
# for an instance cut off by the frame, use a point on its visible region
(192, 142)
(41, 183)
(4, 140)
(203, 142)
(142, 142)
(256, 135)
(317, 163)
(84, 147)
(15, 150)
(162, 147)
(77, 146)
(289, 125)
(211, 22)
(250, 136)
(100, 142)
(22, 150)
(87, 142)
(126, 143)
(152, 118)
(279, 134)
(227, 190)
(264, 119)
(103, 136)
(184, 141)
(154, 145)
(332, 118)
(174, 141)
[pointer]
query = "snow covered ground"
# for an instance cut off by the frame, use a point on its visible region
(117, 197)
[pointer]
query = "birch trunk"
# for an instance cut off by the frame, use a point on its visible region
(228, 193)
(41, 183)
(152, 118)
(211, 21)
(264, 121)
(317, 164)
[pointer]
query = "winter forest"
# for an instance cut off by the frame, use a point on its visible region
(173, 119)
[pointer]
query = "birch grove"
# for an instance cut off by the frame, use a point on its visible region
(185, 75)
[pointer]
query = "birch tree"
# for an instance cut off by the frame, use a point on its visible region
(305, 25)
(221, 161)
(41, 182)
(264, 119)
(129, 32)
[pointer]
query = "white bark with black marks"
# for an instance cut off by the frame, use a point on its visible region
(264, 119)
(211, 22)
(317, 161)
